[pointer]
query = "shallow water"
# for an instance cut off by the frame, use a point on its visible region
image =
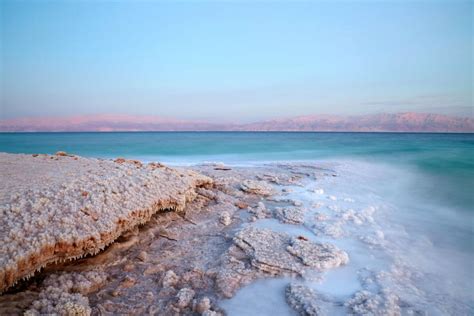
(403, 202)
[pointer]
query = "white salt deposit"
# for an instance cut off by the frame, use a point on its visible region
(394, 268)
(61, 207)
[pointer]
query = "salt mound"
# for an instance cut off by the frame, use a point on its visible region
(279, 253)
(257, 187)
(320, 256)
(303, 300)
(367, 303)
(62, 207)
(290, 215)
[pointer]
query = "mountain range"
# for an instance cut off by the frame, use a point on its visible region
(382, 122)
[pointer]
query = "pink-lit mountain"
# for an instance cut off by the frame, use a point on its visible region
(384, 122)
(390, 122)
(103, 123)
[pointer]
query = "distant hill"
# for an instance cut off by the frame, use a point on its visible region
(384, 122)
(104, 123)
(396, 122)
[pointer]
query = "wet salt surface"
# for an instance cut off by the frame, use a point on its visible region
(372, 215)
(263, 297)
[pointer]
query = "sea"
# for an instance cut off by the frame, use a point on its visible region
(410, 197)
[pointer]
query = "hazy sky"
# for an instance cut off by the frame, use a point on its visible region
(235, 60)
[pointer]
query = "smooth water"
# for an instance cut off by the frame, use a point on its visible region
(421, 186)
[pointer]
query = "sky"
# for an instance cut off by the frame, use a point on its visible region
(235, 60)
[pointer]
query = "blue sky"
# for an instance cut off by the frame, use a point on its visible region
(235, 60)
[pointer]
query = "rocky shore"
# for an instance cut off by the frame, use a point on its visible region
(81, 236)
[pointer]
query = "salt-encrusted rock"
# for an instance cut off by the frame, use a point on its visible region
(54, 302)
(320, 256)
(120, 160)
(232, 273)
(257, 187)
(367, 303)
(241, 205)
(128, 281)
(260, 211)
(290, 215)
(61, 153)
(269, 178)
(267, 250)
(64, 294)
(331, 229)
(207, 193)
(277, 253)
(77, 282)
(184, 296)
(302, 299)
(225, 219)
(170, 279)
(45, 216)
(203, 305)
(143, 256)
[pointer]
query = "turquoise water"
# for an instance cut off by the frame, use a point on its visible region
(424, 184)
(445, 160)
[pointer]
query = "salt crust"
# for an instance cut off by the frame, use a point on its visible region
(62, 207)
(275, 252)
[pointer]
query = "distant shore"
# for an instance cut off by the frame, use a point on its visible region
(381, 122)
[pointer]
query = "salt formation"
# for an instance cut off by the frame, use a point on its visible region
(303, 300)
(320, 256)
(184, 296)
(170, 279)
(65, 294)
(277, 253)
(257, 187)
(332, 229)
(61, 207)
(267, 250)
(204, 305)
(290, 215)
(260, 211)
(225, 218)
(367, 303)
